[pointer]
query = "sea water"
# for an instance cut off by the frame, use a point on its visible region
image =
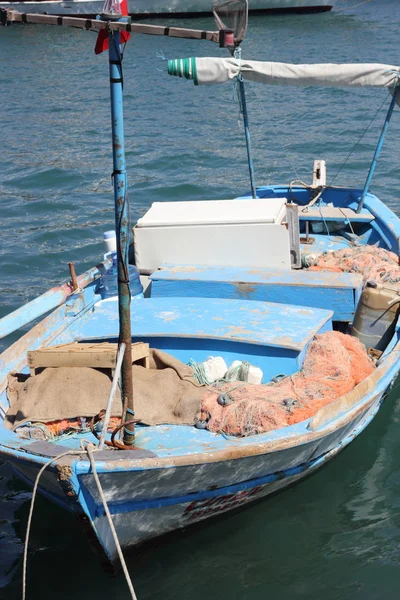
(335, 535)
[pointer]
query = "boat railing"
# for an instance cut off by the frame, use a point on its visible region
(50, 300)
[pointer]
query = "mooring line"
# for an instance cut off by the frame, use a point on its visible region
(89, 449)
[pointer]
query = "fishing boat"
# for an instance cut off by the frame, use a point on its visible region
(163, 8)
(254, 338)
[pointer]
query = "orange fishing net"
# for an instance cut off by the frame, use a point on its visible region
(78, 425)
(373, 263)
(334, 364)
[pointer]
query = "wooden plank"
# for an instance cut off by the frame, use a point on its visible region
(334, 213)
(254, 276)
(102, 355)
(97, 24)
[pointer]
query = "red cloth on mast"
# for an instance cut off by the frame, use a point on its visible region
(102, 38)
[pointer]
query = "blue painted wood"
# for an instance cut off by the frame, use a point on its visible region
(266, 323)
(387, 222)
(332, 291)
(61, 326)
(273, 337)
(324, 243)
(136, 505)
(271, 360)
(253, 275)
(118, 507)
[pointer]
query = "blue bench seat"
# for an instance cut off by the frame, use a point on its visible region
(198, 327)
(338, 292)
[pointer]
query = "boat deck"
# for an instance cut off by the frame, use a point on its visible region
(271, 336)
(264, 323)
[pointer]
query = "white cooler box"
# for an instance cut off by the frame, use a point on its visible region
(237, 233)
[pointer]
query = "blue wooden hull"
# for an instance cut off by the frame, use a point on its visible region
(197, 474)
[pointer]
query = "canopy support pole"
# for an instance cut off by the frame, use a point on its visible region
(243, 106)
(378, 150)
(122, 227)
(247, 133)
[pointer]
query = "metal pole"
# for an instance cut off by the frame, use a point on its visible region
(378, 150)
(122, 227)
(243, 104)
(247, 133)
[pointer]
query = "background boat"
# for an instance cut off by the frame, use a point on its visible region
(146, 8)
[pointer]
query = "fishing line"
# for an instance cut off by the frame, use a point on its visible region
(354, 6)
(125, 207)
(359, 140)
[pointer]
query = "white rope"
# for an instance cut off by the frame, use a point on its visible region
(89, 450)
(28, 527)
(314, 200)
(353, 6)
(106, 510)
(121, 352)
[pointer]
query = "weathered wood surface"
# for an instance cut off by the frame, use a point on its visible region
(101, 356)
(241, 321)
(339, 292)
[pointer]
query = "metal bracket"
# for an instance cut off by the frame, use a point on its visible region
(75, 304)
(292, 216)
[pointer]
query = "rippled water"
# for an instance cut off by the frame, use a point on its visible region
(336, 535)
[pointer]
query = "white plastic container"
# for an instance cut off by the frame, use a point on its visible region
(109, 281)
(236, 373)
(238, 233)
(110, 242)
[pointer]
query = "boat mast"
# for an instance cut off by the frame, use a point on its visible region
(114, 23)
(122, 227)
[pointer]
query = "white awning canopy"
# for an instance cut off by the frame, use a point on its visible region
(219, 70)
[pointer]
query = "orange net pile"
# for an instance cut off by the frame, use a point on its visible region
(334, 364)
(373, 263)
(78, 425)
(54, 430)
